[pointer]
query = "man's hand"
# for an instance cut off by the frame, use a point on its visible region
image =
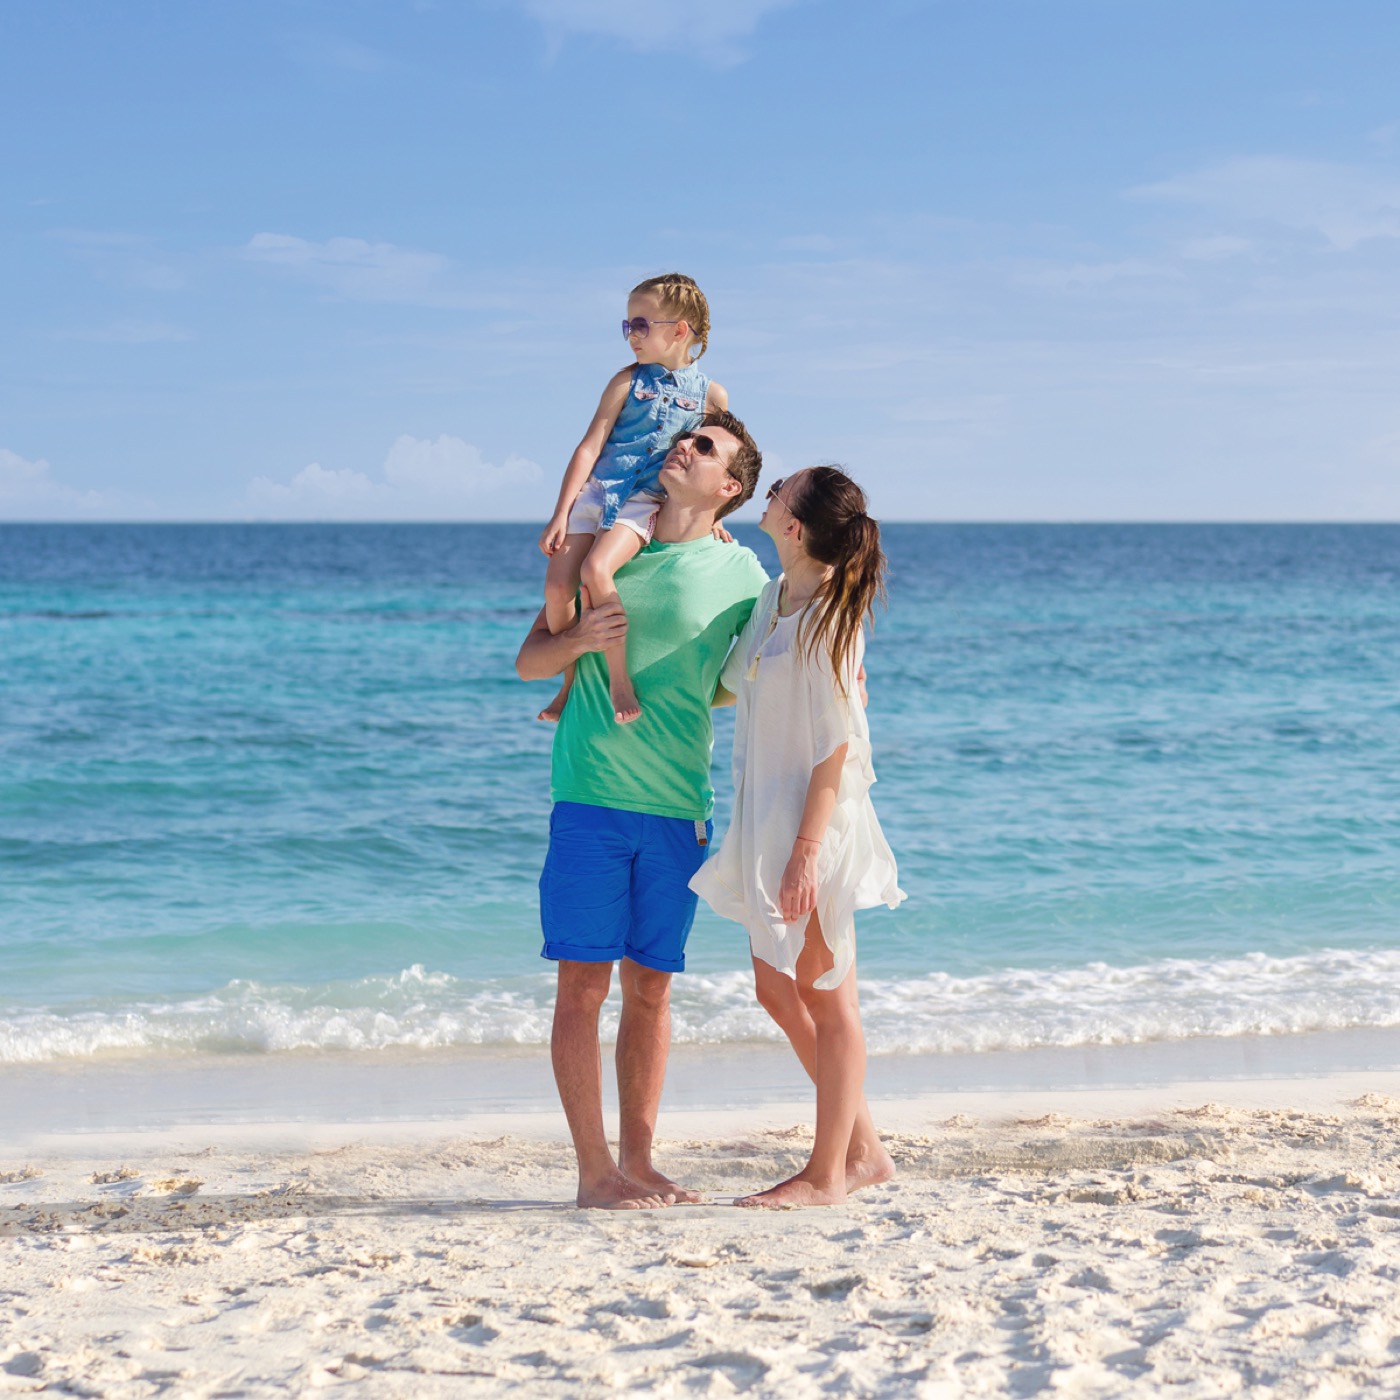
(544, 654)
(599, 628)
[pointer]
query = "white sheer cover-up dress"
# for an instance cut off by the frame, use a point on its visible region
(791, 716)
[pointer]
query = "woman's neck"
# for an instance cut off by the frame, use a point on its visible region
(802, 577)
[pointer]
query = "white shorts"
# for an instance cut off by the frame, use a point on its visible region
(638, 512)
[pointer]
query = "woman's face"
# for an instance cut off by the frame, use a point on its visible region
(777, 515)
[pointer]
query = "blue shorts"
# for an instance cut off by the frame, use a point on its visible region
(617, 884)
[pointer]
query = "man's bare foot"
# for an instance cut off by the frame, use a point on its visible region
(794, 1193)
(626, 707)
(618, 1192)
(662, 1185)
(869, 1171)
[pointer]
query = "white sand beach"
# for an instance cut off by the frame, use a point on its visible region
(1215, 1237)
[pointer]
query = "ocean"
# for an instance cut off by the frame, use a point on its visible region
(272, 789)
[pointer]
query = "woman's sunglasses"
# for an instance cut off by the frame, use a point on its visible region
(641, 327)
(773, 496)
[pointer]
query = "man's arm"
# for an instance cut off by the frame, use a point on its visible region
(544, 654)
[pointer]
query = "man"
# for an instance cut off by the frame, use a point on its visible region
(630, 823)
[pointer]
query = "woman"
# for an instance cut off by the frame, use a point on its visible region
(804, 850)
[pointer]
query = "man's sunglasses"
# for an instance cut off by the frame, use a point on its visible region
(704, 444)
(641, 327)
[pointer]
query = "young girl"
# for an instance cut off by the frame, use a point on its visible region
(608, 502)
(804, 850)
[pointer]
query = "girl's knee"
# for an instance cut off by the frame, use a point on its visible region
(597, 578)
(560, 591)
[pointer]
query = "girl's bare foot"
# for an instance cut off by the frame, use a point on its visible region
(794, 1193)
(869, 1171)
(625, 705)
(551, 712)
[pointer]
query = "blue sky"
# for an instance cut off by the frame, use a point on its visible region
(1046, 260)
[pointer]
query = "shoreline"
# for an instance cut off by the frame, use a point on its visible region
(439, 1090)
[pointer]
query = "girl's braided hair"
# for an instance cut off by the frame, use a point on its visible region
(682, 298)
(836, 531)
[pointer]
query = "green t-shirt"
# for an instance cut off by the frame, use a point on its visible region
(685, 605)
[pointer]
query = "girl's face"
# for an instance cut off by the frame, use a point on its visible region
(661, 326)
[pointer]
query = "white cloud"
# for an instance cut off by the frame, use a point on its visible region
(442, 478)
(712, 30)
(1345, 204)
(29, 491)
(353, 268)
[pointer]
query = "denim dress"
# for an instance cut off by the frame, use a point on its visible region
(660, 403)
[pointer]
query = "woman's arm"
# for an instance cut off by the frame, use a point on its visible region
(585, 457)
(797, 895)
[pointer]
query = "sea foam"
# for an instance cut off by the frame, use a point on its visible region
(1098, 1004)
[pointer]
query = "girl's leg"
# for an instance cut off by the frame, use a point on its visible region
(561, 580)
(610, 552)
(839, 1072)
(867, 1162)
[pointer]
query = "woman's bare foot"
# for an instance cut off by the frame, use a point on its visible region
(869, 1171)
(794, 1193)
(618, 1192)
(625, 705)
(652, 1179)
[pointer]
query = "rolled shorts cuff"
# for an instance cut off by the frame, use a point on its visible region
(562, 952)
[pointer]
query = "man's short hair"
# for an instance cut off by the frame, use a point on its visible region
(748, 460)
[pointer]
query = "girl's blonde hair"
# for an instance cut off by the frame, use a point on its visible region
(836, 531)
(681, 298)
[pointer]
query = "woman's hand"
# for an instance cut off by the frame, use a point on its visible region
(721, 534)
(797, 895)
(555, 533)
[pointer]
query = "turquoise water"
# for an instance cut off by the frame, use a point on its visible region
(278, 787)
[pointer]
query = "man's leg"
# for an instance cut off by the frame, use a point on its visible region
(643, 1043)
(578, 1073)
(669, 852)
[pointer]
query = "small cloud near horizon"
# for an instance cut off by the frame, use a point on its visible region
(442, 478)
(28, 490)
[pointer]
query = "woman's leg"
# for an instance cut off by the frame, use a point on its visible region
(839, 1072)
(611, 551)
(867, 1162)
(561, 579)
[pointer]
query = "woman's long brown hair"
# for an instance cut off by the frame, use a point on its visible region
(836, 531)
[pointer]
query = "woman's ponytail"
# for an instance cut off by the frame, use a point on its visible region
(837, 532)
